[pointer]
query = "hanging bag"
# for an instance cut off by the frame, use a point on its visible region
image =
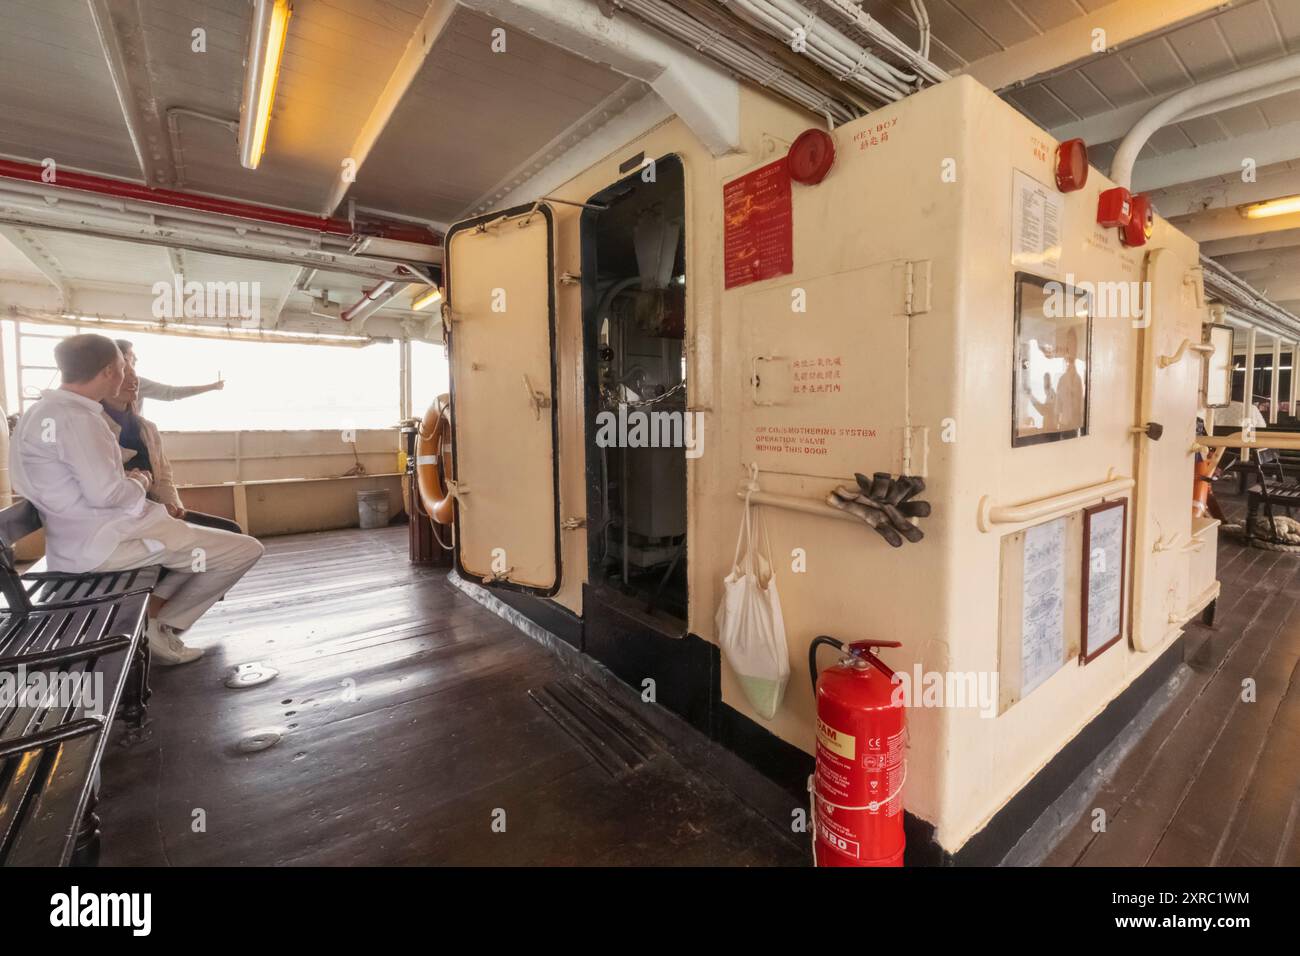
(751, 630)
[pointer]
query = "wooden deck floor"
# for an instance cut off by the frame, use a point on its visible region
(1216, 781)
(406, 726)
(442, 733)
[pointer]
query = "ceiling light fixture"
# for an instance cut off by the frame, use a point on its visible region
(427, 297)
(262, 71)
(1272, 207)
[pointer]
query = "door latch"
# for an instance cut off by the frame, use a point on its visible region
(536, 397)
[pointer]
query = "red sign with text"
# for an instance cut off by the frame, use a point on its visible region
(759, 239)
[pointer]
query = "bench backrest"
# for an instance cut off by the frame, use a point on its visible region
(1269, 461)
(16, 522)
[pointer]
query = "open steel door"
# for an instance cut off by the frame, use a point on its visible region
(500, 287)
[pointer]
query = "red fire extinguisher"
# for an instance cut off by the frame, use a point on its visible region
(857, 801)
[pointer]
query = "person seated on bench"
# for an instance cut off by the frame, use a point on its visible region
(65, 460)
(142, 448)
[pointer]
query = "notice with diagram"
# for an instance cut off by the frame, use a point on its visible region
(758, 238)
(1042, 647)
(1036, 220)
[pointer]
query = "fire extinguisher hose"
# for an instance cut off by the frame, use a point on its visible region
(812, 657)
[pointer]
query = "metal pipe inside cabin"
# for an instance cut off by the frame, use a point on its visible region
(87, 182)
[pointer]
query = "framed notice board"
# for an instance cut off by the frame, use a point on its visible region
(1102, 605)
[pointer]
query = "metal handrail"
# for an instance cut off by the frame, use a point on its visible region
(812, 506)
(1050, 506)
(1286, 441)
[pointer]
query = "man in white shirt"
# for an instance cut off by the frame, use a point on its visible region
(1237, 416)
(65, 460)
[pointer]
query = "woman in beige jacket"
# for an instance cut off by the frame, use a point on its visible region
(142, 448)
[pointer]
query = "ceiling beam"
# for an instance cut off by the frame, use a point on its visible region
(431, 27)
(233, 245)
(1276, 145)
(1267, 240)
(176, 261)
(121, 38)
(1261, 262)
(704, 95)
(619, 119)
(41, 258)
(1115, 124)
(300, 279)
(136, 305)
(1191, 200)
(1124, 22)
(1230, 224)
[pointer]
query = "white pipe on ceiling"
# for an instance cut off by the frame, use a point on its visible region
(1264, 75)
(750, 64)
(917, 60)
(829, 48)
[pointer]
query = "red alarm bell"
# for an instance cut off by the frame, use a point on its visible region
(811, 156)
(1071, 165)
(1138, 229)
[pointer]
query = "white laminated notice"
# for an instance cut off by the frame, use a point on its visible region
(1043, 621)
(1036, 223)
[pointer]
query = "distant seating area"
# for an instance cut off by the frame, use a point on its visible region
(1268, 486)
(1286, 460)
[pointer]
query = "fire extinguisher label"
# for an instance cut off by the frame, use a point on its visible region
(843, 844)
(836, 741)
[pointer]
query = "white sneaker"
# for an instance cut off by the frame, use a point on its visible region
(166, 648)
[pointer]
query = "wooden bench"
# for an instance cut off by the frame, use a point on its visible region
(69, 631)
(1270, 487)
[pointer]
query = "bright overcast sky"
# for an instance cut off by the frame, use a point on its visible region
(268, 385)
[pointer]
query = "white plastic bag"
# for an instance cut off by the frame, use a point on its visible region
(751, 630)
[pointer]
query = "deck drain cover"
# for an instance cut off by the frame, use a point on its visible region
(250, 674)
(612, 735)
(262, 739)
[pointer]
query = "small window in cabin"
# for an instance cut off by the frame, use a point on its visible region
(1051, 379)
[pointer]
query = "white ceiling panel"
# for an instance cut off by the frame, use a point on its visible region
(473, 115)
(56, 94)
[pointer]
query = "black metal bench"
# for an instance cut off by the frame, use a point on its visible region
(1270, 487)
(76, 632)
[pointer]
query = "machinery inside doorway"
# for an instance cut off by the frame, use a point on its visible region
(638, 426)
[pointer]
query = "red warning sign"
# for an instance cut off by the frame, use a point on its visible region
(759, 239)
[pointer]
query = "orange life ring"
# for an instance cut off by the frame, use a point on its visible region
(433, 460)
(1203, 476)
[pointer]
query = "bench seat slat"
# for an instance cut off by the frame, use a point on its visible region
(20, 776)
(60, 624)
(44, 836)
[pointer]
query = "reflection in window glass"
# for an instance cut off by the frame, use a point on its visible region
(1053, 339)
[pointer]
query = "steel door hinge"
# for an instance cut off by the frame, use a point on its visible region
(1194, 280)
(913, 286)
(570, 278)
(573, 524)
(915, 450)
